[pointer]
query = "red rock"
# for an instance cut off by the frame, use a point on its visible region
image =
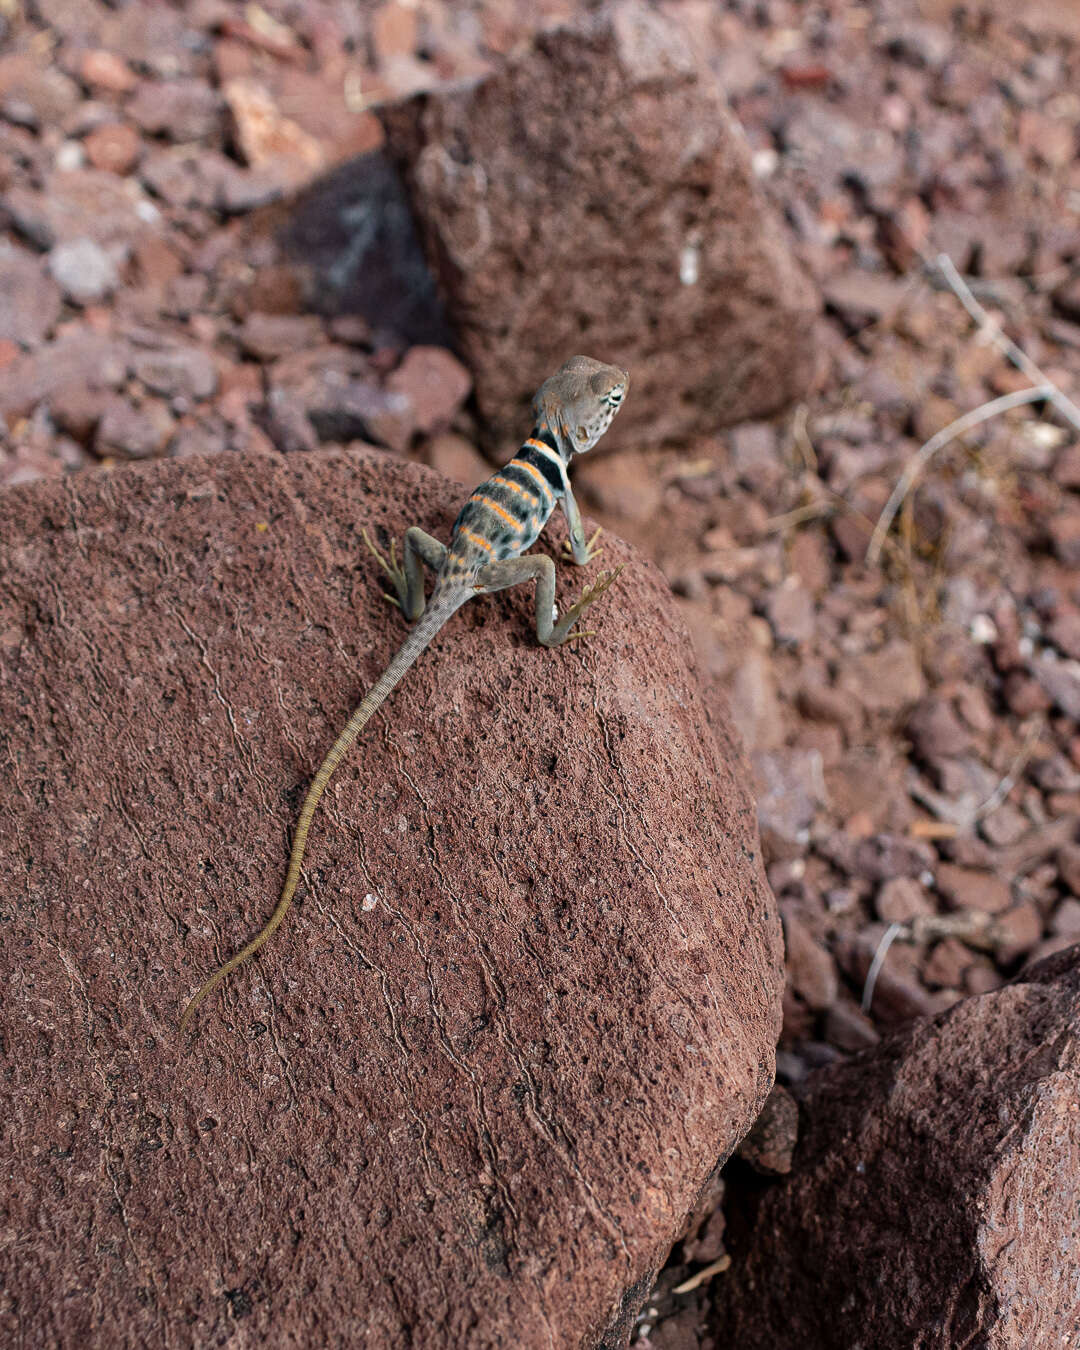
(157, 262)
(106, 70)
(897, 994)
(456, 458)
(80, 204)
(966, 888)
(181, 110)
(790, 611)
(936, 731)
(886, 680)
(1068, 862)
(177, 372)
(267, 336)
(940, 1178)
(533, 252)
(84, 359)
(394, 30)
(341, 399)
(435, 383)
(1017, 931)
(805, 75)
(44, 93)
(538, 1047)
(1024, 695)
(810, 969)
(264, 137)
(114, 146)
(1064, 632)
(1064, 531)
(848, 1028)
(790, 789)
(77, 409)
(1067, 467)
(902, 899)
(29, 297)
(769, 1146)
(129, 432)
(946, 964)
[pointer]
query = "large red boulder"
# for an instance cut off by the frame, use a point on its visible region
(527, 996)
(934, 1197)
(594, 193)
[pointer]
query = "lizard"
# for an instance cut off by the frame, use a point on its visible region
(500, 520)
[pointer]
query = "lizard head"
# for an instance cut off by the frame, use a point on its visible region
(578, 402)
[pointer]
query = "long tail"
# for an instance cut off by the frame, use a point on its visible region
(438, 611)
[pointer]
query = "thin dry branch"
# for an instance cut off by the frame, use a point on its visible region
(1016, 355)
(1044, 390)
(918, 461)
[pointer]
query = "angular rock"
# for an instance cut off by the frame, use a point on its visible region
(114, 146)
(83, 203)
(29, 298)
(182, 110)
(810, 969)
(934, 1195)
(342, 398)
(263, 136)
(435, 383)
(131, 432)
(886, 680)
(177, 372)
(80, 360)
(267, 336)
(634, 228)
(527, 997)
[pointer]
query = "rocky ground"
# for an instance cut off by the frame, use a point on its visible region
(912, 720)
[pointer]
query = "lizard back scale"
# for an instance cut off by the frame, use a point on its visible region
(500, 520)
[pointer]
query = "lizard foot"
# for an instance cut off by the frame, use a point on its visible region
(392, 570)
(591, 551)
(589, 596)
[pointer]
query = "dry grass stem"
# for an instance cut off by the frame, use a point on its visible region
(918, 461)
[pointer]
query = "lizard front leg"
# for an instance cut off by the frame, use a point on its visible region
(408, 581)
(575, 549)
(550, 630)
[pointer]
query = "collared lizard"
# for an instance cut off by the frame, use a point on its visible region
(499, 521)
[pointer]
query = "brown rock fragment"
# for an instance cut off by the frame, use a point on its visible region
(967, 888)
(182, 110)
(643, 236)
(934, 1196)
(498, 1050)
(769, 1146)
(435, 383)
(106, 70)
(113, 146)
(809, 966)
(29, 297)
(131, 432)
(265, 138)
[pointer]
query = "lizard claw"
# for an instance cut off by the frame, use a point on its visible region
(589, 596)
(591, 551)
(392, 570)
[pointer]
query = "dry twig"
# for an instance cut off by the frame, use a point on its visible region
(1044, 390)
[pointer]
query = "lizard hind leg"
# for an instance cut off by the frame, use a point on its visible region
(407, 578)
(552, 632)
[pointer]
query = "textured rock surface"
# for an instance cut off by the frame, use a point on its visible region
(632, 228)
(934, 1198)
(527, 997)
